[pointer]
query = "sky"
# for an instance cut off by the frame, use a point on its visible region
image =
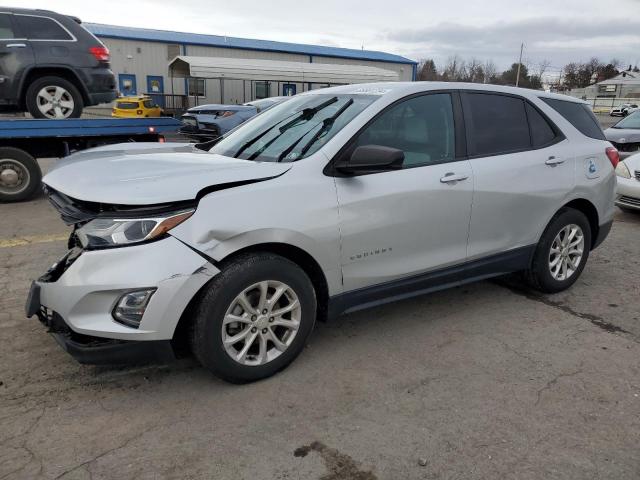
(553, 31)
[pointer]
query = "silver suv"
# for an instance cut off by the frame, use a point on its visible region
(336, 200)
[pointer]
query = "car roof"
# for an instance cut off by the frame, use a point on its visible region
(407, 88)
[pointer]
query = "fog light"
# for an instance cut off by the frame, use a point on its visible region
(131, 306)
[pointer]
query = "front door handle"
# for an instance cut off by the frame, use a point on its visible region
(453, 177)
(16, 45)
(553, 161)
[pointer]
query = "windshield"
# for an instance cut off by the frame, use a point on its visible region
(632, 121)
(293, 129)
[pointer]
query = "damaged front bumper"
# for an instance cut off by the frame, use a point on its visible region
(76, 297)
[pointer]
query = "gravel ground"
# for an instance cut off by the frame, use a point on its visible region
(484, 381)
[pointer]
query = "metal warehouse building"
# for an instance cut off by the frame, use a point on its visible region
(216, 69)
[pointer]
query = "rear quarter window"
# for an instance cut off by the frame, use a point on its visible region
(41, 28)
(579, 115)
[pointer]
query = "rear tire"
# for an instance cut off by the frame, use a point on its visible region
(53, 98)
(561, 253)
(232, 306)
(20, 175)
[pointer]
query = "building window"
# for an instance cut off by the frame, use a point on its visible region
(196, 87)
(262, 90)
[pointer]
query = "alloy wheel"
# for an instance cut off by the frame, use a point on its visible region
(566, 252)
(261, 323)
(55, 102)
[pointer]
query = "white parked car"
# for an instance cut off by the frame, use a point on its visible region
(628, 190)
(335, 200)
(619, 111)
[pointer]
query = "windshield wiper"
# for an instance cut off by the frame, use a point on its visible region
(306, 114)
(327, 123)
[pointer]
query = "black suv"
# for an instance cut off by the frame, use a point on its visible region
(50, 65)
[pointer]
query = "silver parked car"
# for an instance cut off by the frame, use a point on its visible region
(628, 190)
(625, 135)
(336, 200)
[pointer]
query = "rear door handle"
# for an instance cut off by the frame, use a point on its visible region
(453, 177)
(16, 45)
(552, 161)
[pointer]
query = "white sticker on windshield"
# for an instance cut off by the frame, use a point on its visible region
(371, 91)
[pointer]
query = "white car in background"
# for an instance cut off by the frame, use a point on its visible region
(628, 191)
(619, 111)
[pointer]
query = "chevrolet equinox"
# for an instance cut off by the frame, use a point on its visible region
(338, 199)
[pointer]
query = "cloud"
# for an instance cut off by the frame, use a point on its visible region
(544, 37)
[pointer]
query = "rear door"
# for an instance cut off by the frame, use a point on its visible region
(523, 170)
(15, 56)
(401, 223)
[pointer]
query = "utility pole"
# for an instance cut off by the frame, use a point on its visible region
(519, 63)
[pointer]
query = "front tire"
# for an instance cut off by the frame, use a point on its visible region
(254, 318)
(54, 98)
(561, 253)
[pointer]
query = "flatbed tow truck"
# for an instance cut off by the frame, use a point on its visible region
(23, 141)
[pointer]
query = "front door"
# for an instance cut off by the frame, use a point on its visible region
(15, 56)
(127, 84)
(406, 222)
(155, 88)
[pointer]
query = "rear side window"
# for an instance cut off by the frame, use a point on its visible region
(495, 124)
(41, 28)
(541, 132)
(6, 31)
(579, 115)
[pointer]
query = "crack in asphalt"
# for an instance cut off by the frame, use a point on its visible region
(537, 297)
(554, 381)
(86, 464)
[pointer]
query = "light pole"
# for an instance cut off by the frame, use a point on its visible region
(519, 63)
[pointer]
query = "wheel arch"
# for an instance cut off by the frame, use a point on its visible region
(589, 210)
(43, 71)
(297, 255)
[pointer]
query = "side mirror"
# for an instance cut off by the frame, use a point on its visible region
(370, 159)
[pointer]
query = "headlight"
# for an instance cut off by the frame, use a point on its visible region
(622, 170)
(114, 232)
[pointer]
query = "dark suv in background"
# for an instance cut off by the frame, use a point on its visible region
(50, 65)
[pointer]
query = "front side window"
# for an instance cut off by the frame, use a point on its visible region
(422, 127)
(196, 87)
(148, 104)
(6, 30)
(496, 124)
(294, 129)
(41, 28)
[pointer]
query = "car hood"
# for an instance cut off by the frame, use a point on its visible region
(622, 135)
(633, 163)
(129, 175)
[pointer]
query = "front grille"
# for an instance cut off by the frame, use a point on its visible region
(71, 211)
(626, 147)
(630, 200)
(637, 172)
